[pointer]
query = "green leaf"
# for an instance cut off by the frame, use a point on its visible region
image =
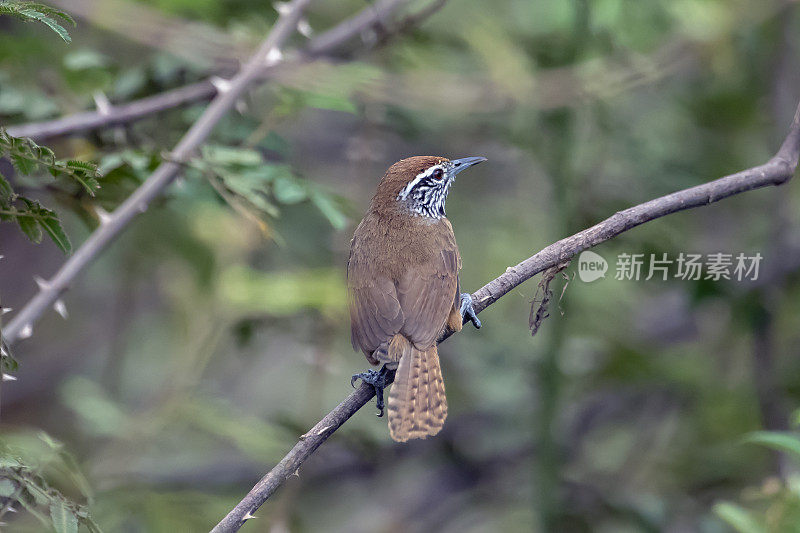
(6, 192)
(51, 23)
(329, 101)
(100, 414)
(14, 8)
(85, 59)
(27, 156)
(288, 191)
(52, 226)
(28, 225)
(110, 162)
(739, 519)
(780, 441)
(7, 362)
(74, 164)
(226, 155)
(51, 443)
(55, 12)
(39, 12)
(328, 208)
(23, 164)
(46, 155)
(64, 520)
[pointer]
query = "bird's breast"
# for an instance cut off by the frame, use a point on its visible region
(390, 245)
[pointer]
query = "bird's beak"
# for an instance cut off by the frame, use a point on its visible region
(465, 162)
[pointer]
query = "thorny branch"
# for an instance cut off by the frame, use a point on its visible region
(267, 58)
(319, 46)
(777, 171)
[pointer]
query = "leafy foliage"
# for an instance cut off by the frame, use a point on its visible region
(24, 483)
(774, 507)
(34, 219)
(249, 183)
(32, 11)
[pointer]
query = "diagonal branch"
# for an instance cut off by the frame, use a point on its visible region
(319, 46)
(777, 171)
(264, 61)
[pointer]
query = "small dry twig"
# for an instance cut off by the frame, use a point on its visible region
(540, 310)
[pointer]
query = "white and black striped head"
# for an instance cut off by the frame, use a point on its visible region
(421, 183)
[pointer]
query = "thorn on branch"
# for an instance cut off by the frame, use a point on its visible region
(274, 56)
(304, 28)
(282, 8)
(41, 283)
(220, 84)
(26, 331)
(61, 308)
(540, 311)
(102, 103)
(102, 215)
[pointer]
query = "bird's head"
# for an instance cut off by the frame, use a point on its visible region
(421, 183)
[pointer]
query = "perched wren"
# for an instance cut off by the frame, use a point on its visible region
(403, 289)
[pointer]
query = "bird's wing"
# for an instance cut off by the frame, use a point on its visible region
(375, 313)
(427, 292)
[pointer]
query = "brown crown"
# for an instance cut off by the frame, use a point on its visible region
(399, 175)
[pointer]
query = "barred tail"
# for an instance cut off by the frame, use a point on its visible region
(417, 402)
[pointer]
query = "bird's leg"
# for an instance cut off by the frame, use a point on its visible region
(468, 311)
(376, 378)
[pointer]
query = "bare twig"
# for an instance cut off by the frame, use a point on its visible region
(410, 22)
(375, 15)
(116, 115)
(264, 61)
(319, 46)
(777, 171)
(540, 310)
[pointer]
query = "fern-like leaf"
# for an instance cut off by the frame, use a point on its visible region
(49, 16)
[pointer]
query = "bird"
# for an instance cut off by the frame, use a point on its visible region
(404, 291)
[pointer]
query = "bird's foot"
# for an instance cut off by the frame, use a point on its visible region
(468, 311)
(376, 378)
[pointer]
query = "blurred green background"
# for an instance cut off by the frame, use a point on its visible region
(215, 331)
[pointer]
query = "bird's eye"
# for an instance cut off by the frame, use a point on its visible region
(438, 174)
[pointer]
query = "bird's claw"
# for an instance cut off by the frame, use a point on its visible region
(468, 311)
(376, 378)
